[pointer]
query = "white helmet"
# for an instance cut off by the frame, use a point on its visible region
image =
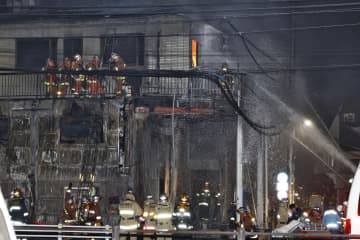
(77, 57)
(163, 198)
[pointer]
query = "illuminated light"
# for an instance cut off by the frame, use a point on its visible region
(308, 123)
(282, 177)
(282, 195)
(282, 186)
(351, 180)
(145, 214)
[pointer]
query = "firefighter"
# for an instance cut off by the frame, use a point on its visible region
(79, 79)
(203, 206)
(17, 207)
(94, 214)
(228, 80)
(93, 81)
(149, 213)
(50, 79)
(84, 211)
(118, 64)
(182, 213)
(69, 214)
(129, 212)
(247, 221)
(164, 214)
(65, 79)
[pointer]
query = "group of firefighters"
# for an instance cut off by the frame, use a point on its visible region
(160, 215)
(84, 82)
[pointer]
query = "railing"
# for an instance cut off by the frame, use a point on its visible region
(61, 232)
(191, 84)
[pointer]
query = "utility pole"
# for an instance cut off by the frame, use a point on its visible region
(239, 152)
(260, 183)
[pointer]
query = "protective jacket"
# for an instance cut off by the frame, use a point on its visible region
(129, 211)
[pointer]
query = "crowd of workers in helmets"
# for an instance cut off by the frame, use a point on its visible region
(79, 84)
(154, 215)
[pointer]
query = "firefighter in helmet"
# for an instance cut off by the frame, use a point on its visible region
(182, 213)
(129, 211)
(65, 78)
(118, 64)
(79, 79)
(149, 213)
(50, 79)
(228, 79)
(69, 215)
(93, 81)
(203, 206)
(84, 210)
(164, 214)
(94, 215)
(17, 207)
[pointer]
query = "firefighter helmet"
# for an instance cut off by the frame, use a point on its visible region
(130, 196)
(163, 198)
(18, 193)
(77, 57)
(225, 68)
(114, 57)
(96, 198)
(50, 62)
(184, 197)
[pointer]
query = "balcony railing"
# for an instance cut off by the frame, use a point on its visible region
(103, 83)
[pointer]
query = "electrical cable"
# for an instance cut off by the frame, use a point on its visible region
(250, 53)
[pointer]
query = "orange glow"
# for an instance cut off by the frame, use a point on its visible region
(194, 57)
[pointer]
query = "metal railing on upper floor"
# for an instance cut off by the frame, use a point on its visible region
(108, 84)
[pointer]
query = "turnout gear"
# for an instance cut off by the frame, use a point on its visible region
(50, 79)
(65, 78)
(182, 213)
(129, 211)
(94, 213)
(203, 205)
(118, 64)
(149, 213)
(17, 207)
(164, 213)
(93, 81)
(69, 214)
(79, 79)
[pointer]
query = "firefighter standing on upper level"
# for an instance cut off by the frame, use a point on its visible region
(129, 211)
(65, 79)
(182, 213)
(17, 207)
(93, 81)
(164, 215)
(94, 213)
(69, 215)
(118, 64)
(79, 79)
(50, 78)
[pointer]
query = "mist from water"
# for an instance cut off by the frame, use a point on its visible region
(317, 138)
